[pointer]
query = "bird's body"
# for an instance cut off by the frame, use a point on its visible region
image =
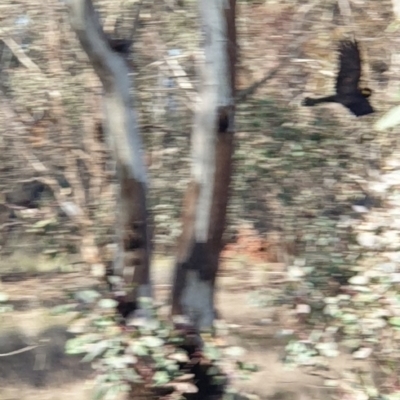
(121, 46)
(348, 92)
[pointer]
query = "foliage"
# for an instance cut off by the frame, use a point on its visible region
(149, 354)
(4, 306)
(342, 289)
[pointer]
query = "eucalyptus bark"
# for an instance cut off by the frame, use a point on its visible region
(133, 259)
(205, 203)
(396, 8)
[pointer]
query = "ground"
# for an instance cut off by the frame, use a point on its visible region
(45, 372)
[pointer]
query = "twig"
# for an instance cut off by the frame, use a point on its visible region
(136, 21)
(19, 53)
(36, 164)
(8, 224)
(293, 48)
(245, 93)
(23, 350)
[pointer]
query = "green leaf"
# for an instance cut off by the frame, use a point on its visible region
(116, 362)
(247, 366)
(81, 343)
(114, 390)
(131, 375)
(349, 318)
(62, 309)
(186, 387)
(139, 349)
(218, 380)
(103, 322)
(213, 370)
(43, 223)
(108, 303)
(163, 332)
(100, 391)
(151, 324)
(395, 321)
(230, 394)
(101, 379)
(212, 353)
(95, 350)
(50, 252)
(332, 383)
(235, 351)
(4, 297)
(145, 303)
(179, 356)
(7, 308)
(114, 376)
(388, 120)
(87, 296)
(171, 367)
(393, 27)
(152, 341)
(75, 346)
(160, 378)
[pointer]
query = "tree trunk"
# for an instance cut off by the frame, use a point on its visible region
(204, 209)
(133, 260)
(396, 8)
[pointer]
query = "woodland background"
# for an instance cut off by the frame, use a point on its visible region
(312, 243)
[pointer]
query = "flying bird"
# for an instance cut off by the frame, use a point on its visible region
(348, 92)
(121, 46)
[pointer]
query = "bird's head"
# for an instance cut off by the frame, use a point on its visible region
(366, 92)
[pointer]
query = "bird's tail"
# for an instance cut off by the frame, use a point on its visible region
(309, 101)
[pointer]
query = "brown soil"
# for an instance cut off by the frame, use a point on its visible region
(45, 372)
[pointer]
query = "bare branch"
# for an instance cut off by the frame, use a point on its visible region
(136, 21)
(19, 351)
(293, 50)
(19, 53)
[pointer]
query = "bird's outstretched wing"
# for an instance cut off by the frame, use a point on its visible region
(350, 68)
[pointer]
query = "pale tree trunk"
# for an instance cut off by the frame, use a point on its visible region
(206, 198)
(133, 260)
(396, 8)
